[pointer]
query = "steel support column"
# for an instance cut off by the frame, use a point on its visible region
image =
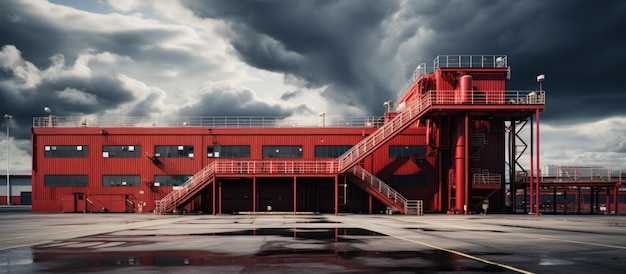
(213, 198)
(254, 194)
(538, 166)
(532, 168)
(295, 196)
(615, 197)
(336, 194)
(220, 198)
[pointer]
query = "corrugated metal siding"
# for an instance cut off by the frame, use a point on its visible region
(51, 198)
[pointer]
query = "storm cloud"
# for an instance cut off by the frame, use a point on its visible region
(294, 58)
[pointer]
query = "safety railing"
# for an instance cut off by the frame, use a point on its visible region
(419, 71)
(200, 179)
(493, 97)
(209, 121)
(192, 185)
(380, 186)
(403, 119)
(584, 174)
(414, 207)
(487, 180)
(276, 167)
(470, 61)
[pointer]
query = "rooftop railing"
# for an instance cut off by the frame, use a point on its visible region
(209, 121)
(470, 61)
(429, 98)
(455, 61)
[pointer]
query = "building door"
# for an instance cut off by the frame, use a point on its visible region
(26, 198)
(80, 202)
(74, 203)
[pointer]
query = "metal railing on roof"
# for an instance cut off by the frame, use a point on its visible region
(471, 61)
(454, 61)
(421, 70)
(209, 121)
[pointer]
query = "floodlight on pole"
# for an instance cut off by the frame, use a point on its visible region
(388, 105)
(8, 117)
(323, 115)
(48, 112)
(540, 79)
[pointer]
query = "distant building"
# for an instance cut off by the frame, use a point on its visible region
(20, 189)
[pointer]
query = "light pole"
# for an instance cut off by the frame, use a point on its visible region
(8, 117)
(388, 104)
(540, 79)
(323, 115)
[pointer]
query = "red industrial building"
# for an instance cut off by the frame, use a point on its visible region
(442, 147)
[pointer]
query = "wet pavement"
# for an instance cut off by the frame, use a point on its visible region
(146, 243)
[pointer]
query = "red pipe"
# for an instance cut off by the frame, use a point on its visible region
(459, 164)
(467, 133)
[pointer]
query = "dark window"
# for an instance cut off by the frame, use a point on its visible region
(282, 151)
(173, 151)
(408, 181)
(170, 180)
(406, 151)
(120, 180)
(74, 151)
(121, 151)
(330, 151)
(228, 151)
(65, 180)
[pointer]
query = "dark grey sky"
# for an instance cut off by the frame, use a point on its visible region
(302, 57)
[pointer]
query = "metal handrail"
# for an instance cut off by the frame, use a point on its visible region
(489, 97)
(209, 121)
(234, 166)
(276, 167)
(380, 186)
(470, 61)
(487, 179)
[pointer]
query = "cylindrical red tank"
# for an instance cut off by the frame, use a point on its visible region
(459, 164)
(465, 90)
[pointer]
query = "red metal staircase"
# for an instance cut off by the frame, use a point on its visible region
(367, 146)
(346, 162)
(384, 193)
(188, 190)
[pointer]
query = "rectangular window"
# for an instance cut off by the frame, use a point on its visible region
(282, 151)
(65, 180)
(120, 180)
(73, 151)
(406, 151)
(170, 180)
(121, 151)
(408, 181)
(228, 151)
(330, 151)
(173, 151)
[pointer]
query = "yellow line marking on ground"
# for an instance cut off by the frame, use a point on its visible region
(464, 255)
(456, 252)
